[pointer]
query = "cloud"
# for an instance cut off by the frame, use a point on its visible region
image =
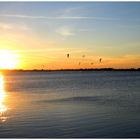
(65, 31)
(86, 30)
(58, 17)
(73, 10)
(46, 17)
(7, 26)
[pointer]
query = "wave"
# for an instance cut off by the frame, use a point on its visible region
(86, 99)
(100, 100)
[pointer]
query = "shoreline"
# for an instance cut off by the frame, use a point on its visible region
(45, 70)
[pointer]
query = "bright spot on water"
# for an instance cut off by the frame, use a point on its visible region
(3, 108)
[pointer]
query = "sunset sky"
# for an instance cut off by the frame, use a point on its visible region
(38, 35)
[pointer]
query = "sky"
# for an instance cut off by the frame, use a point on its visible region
(41, 34)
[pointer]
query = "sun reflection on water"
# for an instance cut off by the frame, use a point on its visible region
(3, 107)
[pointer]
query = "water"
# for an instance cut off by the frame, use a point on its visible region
(100, 104)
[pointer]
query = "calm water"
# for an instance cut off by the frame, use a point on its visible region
(70, 104)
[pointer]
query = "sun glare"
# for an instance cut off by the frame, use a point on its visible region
(8, 59)
(1, 89)
(3, 108)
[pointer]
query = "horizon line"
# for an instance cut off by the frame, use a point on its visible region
(79, 69)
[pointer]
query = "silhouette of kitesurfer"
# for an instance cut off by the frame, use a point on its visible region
(68, 55)
(100, 60)
(83, 56)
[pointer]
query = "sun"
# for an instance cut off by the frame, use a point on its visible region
(8, 59)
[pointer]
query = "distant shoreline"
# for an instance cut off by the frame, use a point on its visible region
(45, 70)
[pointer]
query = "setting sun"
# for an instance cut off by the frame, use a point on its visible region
(8, 59)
